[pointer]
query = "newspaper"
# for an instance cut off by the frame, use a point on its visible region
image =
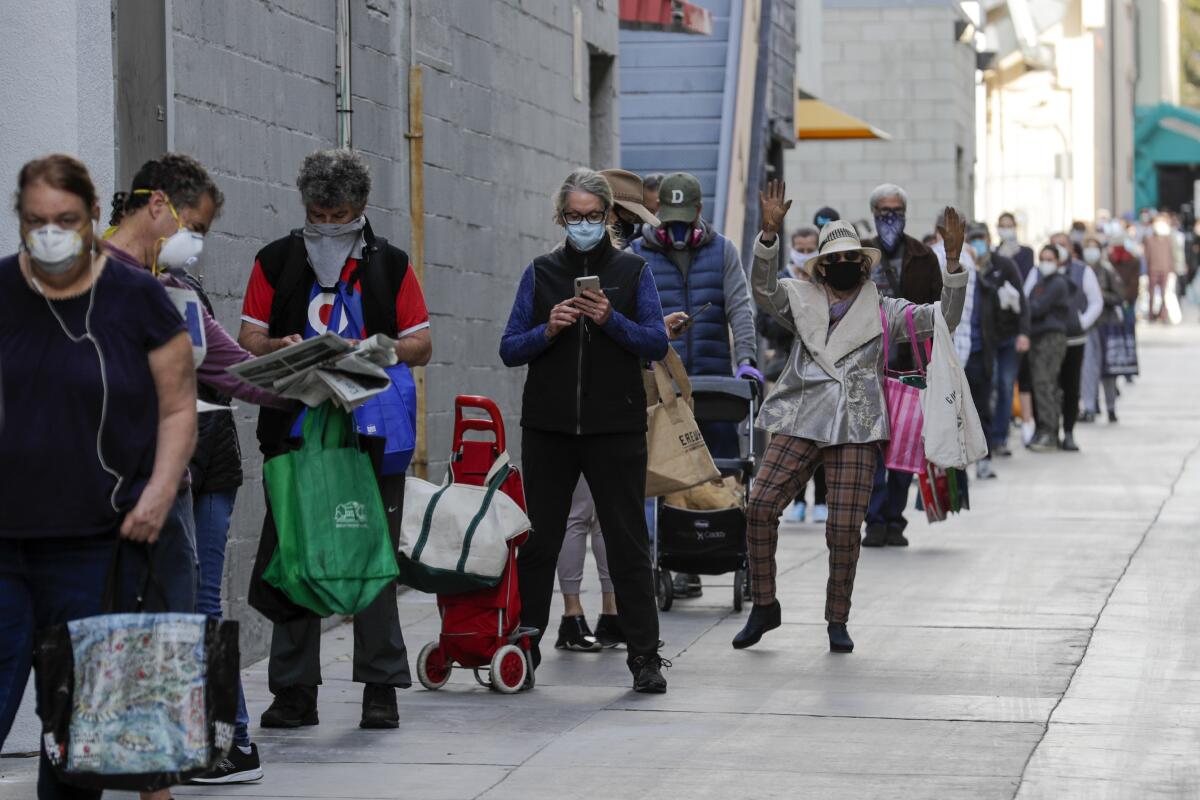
(327, 367)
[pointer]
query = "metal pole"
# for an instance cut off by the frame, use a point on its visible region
(342, 74)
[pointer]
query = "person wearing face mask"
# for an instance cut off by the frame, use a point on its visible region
(693, 265)
(1086, 305)
(1010, 247)
(160, 225)
(583, 411)
(999, 336)
(627, 215)
(1158, 247)
(100, 420)
(1113, 294)
(1049, 308)
(803, 250)
(907, 270)
(334, 274)
(829, 405)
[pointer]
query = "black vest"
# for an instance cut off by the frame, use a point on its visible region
(284, 263)
(585, 383)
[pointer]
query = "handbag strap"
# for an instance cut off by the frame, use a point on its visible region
(912, 338)
(668, 374)
(110, 599)
(493, 486)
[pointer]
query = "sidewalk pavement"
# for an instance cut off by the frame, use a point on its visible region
(1042, 645)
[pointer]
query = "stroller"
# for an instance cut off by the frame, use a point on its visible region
(710, 542)
(481, 629)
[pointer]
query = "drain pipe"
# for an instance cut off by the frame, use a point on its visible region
(342, 73)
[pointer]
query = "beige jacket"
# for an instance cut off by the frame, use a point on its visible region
(831, 390)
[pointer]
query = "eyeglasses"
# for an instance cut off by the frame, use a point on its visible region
(848, 258)
(575, 218)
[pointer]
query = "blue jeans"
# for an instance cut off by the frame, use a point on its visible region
(213, 512)
(51, 580)
(1008, 361)
(889, 497)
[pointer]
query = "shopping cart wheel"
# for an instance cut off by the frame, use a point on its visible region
(739, 583)
(508, 669)
(480, 679)
(433, 671)
(666, 594)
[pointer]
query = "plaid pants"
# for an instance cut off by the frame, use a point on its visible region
(788, 463)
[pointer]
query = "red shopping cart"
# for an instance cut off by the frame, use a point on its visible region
(481, 630)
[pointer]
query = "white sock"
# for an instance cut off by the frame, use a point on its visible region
(245, 749)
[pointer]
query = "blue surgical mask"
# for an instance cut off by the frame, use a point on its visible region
(586, 235)
(980, 246)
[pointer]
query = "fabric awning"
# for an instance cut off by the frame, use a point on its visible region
(816, 119)
(676, 16)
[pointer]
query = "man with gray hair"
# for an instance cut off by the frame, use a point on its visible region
(909, 269)
(335, 274)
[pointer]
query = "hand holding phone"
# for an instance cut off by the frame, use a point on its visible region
(587, 282)
(688, 321)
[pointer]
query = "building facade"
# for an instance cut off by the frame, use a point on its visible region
(903, 67)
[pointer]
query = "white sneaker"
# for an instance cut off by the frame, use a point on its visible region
(1028, 429)
(796, 512)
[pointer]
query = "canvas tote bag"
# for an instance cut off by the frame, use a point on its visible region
(953, 435)
(677, 458)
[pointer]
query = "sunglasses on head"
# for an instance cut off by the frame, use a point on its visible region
(848, 258)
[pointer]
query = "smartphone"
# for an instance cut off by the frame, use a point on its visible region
(587, 282)
(687, 323)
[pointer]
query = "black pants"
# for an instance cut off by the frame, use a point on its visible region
(1069, 379)
(820, 490)
(979, 378)
(615, 468)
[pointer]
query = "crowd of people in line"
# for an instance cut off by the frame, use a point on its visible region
(101, 377)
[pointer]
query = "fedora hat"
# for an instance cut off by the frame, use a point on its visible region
(840, 236)
(628, 193)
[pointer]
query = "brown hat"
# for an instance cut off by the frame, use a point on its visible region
(628, 193)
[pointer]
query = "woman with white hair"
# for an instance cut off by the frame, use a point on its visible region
(584, 409)
(829, 405)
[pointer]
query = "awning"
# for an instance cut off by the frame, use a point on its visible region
(816, 119)
(675, 16)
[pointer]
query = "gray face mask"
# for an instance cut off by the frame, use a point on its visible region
(329, 244)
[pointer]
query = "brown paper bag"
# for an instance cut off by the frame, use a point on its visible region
(710, 496)
(678, 458)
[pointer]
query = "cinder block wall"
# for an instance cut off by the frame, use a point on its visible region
(254, 93)
(898, 67)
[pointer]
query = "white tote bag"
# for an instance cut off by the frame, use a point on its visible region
(454, 537)
(953, 435)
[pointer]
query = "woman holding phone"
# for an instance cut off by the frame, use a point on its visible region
(584, 410)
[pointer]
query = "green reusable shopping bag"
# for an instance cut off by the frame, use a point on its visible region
(334, 554)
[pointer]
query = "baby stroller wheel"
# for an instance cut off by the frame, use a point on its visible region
(666, 594)
(480, 679)
(433, 671)
(739, 583)
(508, 669)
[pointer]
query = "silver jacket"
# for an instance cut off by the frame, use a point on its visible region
(831, 390)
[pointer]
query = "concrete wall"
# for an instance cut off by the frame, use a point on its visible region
(253, 93)
(56, 75)
(898, 67)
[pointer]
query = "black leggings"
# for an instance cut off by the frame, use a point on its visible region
(1069, 378)
(614, 465)
(820, 491)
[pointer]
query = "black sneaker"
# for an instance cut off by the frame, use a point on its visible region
(379, 707)
(293, 707)
(647, 673)
(686, 586)
(877, 536)
(895, 536)
(237, 767)
(608, 631)
(574, 634)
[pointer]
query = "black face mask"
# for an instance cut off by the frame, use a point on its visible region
(843, 276)
(627, 231)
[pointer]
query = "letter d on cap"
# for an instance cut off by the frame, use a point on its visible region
(676, 196)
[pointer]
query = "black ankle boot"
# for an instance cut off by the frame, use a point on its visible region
(761, 620)
(839, 638)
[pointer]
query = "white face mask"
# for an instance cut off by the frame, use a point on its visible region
(1162, 228)
(799, 260)
(181, 250)
(1091, 254)
(1048, 267)
(54, 249)
(1006, 233)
